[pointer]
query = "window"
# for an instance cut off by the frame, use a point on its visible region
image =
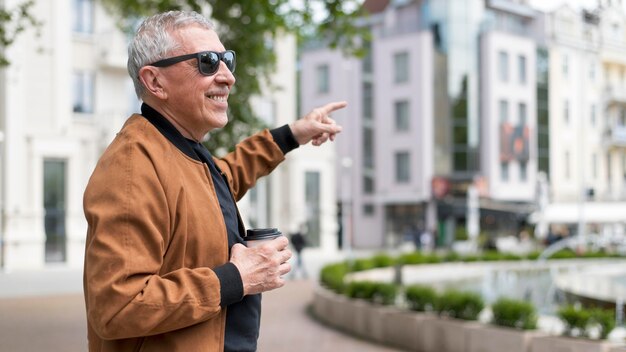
(503, 66)
(504, 111)
(624, 166)
(522, 114)
(566, 111)
(55, 204)
(521, 63)
(593, 114)
(565, 64)
(402, 116)
(594, 165)
(523, 171)
(608, 167)
(592, 71)
(323, 79)
(368, 210)
(84, 83)
(368, 184)
(83, 16)
(622, 117)
(401, 67)
(504, 171)
(402, 167)
(566, 169)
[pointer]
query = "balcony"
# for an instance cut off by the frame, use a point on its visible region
(112, 50)
(615, 136)
(615, 94)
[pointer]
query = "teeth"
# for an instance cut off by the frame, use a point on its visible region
(219, 98)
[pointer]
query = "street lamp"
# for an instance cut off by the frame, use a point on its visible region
(346, 204)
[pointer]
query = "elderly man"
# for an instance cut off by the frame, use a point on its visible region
(166, 266)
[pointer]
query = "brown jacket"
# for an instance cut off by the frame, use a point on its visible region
(155, 233)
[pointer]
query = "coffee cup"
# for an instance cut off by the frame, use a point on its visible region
(256, 237)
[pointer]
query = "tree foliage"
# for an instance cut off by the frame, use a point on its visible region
(14, 21)
(249, 27)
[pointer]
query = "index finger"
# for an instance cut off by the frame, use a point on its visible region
(336, 105)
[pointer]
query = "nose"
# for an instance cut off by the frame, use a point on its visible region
(223, 75)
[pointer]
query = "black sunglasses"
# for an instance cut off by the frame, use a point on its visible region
(208, 61)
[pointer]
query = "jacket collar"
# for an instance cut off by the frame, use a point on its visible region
(168, 130)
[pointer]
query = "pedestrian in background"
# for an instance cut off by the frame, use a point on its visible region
(166, 268)
(298, 241)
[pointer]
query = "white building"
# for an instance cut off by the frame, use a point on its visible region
(63, 97)
(587, 104)
(62, 100)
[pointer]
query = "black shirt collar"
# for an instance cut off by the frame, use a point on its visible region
(168, 130)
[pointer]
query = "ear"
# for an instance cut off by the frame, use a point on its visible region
(151, 79)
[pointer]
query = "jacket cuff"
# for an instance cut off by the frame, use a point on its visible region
(231, 286)
(284, 138)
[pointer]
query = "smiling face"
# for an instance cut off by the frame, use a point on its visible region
(193, 102)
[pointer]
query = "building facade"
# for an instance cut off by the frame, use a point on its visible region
(586, 61)
(478, 97)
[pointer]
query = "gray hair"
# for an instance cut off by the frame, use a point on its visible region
(154, 40)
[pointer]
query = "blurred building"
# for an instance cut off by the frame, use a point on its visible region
(585, 61)
(64, 96)
(481, 94)
(62, 100)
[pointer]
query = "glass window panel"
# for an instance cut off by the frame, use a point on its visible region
(402, 116)
(323, 79)
(402, 167)
(503, 66)
(401, 67)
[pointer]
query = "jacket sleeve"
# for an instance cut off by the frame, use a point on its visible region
(129, 225)
(255, 157)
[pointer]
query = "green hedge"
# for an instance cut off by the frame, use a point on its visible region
(514, 313)
(375, 292)
(459, 305)
(420, 298)
(580, 321)
(462, 305)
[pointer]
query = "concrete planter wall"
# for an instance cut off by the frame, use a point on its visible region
(571, 344)
(407, 330)
(448, 335)
(424, 332)
(490, 338)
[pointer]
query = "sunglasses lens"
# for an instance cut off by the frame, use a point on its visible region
(229, 59)
(209, 63)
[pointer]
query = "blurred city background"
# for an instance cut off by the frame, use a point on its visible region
(472, 125)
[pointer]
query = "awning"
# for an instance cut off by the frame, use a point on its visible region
(589, 212)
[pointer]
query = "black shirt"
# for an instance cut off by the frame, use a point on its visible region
(243, 316)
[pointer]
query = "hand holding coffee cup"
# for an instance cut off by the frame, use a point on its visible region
(263, 263)
(257, 237)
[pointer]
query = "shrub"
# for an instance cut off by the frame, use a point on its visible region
(362, 264)
(376, 292)
(332, 276)
(418, 258)
(383, 260)
(578, 321)
(420, 298)
(604, 319)
(575, 320)
(514, 313)
(460, 305)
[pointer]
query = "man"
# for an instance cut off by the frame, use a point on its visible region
(166, 266)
